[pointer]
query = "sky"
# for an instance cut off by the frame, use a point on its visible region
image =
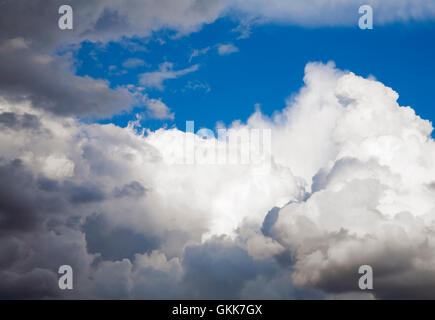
(320, 158)
(266, 68)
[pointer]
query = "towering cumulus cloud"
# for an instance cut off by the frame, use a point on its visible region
(352, 182)
(370, 164)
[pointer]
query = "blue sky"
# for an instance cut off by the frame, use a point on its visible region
(267, 68)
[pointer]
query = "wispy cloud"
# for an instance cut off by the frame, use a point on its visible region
(225, 49)
(198, 52)
(197, 85)
(132, 63)
(156, 79)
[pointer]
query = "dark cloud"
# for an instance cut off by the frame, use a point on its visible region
(19, 198)
(219, 269)
(83, 193)
(19, 122)
(42, 229)
(132, 189)
(29, 69)
(115, 243)
(51, 85)
(35, 284)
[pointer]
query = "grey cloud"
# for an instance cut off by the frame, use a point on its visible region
(269, 221)
(333, 238)
(83, 193)
(19, 122)
(50, 85)
(35, 284)
(18, 196)
(335, 12)
(107, 258)
(115, 243)
(29, 35)
(218, 269)
(132, 189)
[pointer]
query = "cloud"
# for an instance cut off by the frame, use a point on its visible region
(19, 122)
(115, 243)
(12, 45)
(31, 69)
(197, 85)
(104, 21)
(30, 40)
(351, 180)
(198, 52)
(76, 218)
(349, 184)
(333, 13)
(158, 110)
(223, 266)
(155, 108)
(110, 20)
(225, 49)
(155, 79)
(244, 29)
(132, 63)
(49, 84)
(365, 206)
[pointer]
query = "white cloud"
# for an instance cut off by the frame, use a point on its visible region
(155, 79)
(197, 85)
(198, 52)
(132, 63)
(225, 49)
(353, 174)
(371, 163)
(158, 110)
(244, 29)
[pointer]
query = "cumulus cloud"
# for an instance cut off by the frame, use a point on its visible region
(366, 205)
(350, 183)
(351, 180)
(158, 110)
(108, 183)
(155, 107)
